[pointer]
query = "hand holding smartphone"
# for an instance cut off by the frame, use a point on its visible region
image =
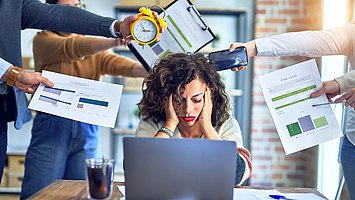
(226, 59)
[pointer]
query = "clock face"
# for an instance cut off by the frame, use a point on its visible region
(145, 30)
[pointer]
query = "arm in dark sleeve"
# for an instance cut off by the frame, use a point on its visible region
(239, 169)
(64, 19)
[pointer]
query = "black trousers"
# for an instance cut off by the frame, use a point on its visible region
(7, 114)
(3, 147)
(8, 107)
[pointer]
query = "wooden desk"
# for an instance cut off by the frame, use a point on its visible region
(70, 189)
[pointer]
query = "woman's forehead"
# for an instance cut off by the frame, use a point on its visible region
(195, 86)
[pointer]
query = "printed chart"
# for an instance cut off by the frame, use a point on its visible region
(79, 99)
(287, 95)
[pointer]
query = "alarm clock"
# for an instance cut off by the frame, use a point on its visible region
(147, 28)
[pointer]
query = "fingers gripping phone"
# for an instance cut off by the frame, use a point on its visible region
(225, 59)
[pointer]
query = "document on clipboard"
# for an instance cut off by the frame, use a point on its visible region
(186, 32)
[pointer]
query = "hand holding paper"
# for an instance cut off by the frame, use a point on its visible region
(79, 99)
(287, 94)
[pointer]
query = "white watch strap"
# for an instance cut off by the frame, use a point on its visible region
(167, 131)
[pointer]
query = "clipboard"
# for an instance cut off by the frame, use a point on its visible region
(186, 32)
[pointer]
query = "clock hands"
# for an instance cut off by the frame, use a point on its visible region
(145, 30)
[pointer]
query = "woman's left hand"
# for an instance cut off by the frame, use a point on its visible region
(205, 118)
(206, 113)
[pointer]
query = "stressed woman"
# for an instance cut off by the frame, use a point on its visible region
(184, 97)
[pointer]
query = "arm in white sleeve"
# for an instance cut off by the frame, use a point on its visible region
(4, 65)
(346, 82)
(337, 41)
(112, 29)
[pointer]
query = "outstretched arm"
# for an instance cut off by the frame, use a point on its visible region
(103, 44)
(337, 41)
(69, 19)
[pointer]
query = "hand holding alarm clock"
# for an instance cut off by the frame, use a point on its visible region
(148, 27)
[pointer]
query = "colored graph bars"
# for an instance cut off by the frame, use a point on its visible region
(305, 124)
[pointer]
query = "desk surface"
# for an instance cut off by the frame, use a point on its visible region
(70, 189)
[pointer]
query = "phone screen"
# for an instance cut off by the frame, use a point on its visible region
(227, 60)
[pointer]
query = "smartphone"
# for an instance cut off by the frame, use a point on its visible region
(225, 59)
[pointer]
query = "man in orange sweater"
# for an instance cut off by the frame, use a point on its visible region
(59, 146)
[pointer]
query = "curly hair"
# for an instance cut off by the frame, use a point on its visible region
(170, 76)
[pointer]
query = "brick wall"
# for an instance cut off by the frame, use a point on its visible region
(271, 166)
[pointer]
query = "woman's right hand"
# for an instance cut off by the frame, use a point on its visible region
(172, 119)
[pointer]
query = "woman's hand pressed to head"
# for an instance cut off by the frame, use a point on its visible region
(206, 113)
(172, 119)
(204, 120)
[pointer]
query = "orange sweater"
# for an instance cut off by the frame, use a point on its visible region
(72, 54)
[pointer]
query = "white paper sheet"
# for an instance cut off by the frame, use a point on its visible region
(302, 196)
(79, 99)
(253, 194)
(299, 125)
(256, 194)
(238, 193)
(122, 189)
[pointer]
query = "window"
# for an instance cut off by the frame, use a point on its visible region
(328, 166)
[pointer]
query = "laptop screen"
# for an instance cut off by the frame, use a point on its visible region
(179, 168)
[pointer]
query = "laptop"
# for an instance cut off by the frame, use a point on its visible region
(179, 169)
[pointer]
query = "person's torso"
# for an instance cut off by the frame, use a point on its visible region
(88, 68)
(10, 31)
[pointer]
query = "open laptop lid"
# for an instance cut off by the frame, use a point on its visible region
(179, 168)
